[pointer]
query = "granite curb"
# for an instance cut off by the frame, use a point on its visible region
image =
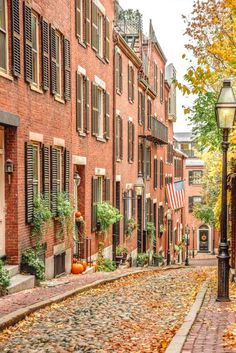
(177, 342)
(18, 315)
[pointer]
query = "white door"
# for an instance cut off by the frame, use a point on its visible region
(2, 195)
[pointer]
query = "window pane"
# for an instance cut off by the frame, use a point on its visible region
(34, 32)
(57, 49)
(2, 15)
(35, 66)
(2, 50)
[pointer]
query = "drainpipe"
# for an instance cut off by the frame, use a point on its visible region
(114, 146)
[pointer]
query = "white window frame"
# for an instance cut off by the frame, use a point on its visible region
(82, 110)
(100, 21)
(36, 51)
(100, 113)
(59, 169)
(58, 64)
(5, 31)
(37, 146)
(100, 188)
(129, 204)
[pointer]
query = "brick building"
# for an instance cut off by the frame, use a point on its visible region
(83, 97)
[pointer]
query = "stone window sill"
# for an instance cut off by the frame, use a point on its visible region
(100, 139)
(36, 89)
(59, 99)
(6, 75)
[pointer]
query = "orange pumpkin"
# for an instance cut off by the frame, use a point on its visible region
(84, 263)
(77, 214)
(77, 269)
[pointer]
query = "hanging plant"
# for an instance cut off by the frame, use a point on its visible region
(107, 215)
(151, 229)
(41, 218)
(162, 228)
(131, 226)
(65, 214)
(4, 279)
(30, 262)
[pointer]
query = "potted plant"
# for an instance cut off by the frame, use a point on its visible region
(4, 279)
(121, 254)
(31, 263)
(104, 264)
(151, 229)
(157, 259)
(131, 226)
(41, 218)
(64, 214)
(106, 216)
(142, 259)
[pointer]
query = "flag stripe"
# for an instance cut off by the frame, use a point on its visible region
(175, 194)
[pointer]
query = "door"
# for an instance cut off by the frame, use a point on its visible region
(140, 224)
(203, 240)
(116, 226)
(2, 195)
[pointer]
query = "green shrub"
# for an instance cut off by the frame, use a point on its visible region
(104, 265)
(142, 259)
(64, 214)
(107, 215)
(4, 277)
(31, 259)
(41, 217)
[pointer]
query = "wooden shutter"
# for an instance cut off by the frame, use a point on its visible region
(87, 21)
(139, 107)
(134, 204)
(45, 54)
(117, 137)
(54, 164)
(117, 68)
(161, 174)
(143, 108)
(15, 19)
(120, 73)
(67, 70)
(121, 138)
(190, 177)
(78, 19)
(107, 39)
(132, 142)
(94, 26)
(129, 140)
(107, 189)
(155, 173)
(126, 196)
(129, 83)
(53, 60)
(190, 204)
(29, 190)
(28, 43)
(78, 102)
(94, 204)
(67, 172)
(149, 113)
(87, 106)
(155, 77)
(46, 174)
(132, 84)
(107, 115)
(94, 109)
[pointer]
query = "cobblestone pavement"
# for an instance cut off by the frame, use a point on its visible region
(138, 314)
(203, 260)
(212, 323)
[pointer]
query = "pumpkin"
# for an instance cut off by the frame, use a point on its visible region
(77, 269)
(84, 263)
(74, 260)
(77, 214)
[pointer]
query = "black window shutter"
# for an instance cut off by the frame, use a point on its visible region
(107, 189)
(126, 195)
(87, 21)
(190, 177)
(29, 191)
(53, 60)
(46, 174)
(155, 177)
(190, 204)
(45, 54)
(87, 106)
(94, 109)
(28, 43)
(139, 107)
(129, 82)
(120, 73)
(117, 70)
(107, 115)
(94, 204)
(94, 27)
(107, 39)
(78, 102)
(132, 84)
(67, 70)
(15, 19)
(121, 138)
(67, 172)
(129, 140)
(134, 204)
(132, 142)
(54, 181)
(117, 138)
(78, 18)
(143, 108)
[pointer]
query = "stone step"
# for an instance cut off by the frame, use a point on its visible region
(12, 269)
(21, 282)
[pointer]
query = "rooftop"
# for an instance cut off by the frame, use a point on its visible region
(184, 136)
(194, 163)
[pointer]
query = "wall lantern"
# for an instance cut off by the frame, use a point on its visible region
(139, 186)
(9, 168)
(77, 179)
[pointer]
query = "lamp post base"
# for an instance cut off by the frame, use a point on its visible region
(223, 274)
(168, 258)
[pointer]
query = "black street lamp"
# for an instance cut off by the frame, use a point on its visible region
(193, 229)
(169, 217)
(187, 244)
(225, 113)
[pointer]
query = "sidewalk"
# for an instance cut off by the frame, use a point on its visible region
(212, 323)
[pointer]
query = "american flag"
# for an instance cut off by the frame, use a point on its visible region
(175, 193)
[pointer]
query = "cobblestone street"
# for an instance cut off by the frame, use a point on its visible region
(138, 314)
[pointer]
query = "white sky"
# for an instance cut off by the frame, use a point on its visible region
(169, 27)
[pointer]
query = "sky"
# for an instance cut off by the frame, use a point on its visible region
(169, 27)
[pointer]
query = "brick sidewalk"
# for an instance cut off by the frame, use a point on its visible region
(206, 334)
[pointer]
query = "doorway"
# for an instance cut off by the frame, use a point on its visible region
(2, 195)
(140, 224)
(204, 239)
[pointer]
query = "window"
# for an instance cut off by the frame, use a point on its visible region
(100, 193)
(59, 169)
(58, 63)
(131, 138)
(161, 86)
(149, 114)
(130, 83)
(100, 34)
(141, 108)
(161, 174)
(169, 153)
(140, 158)
(155, 78)
(195, 177)
(3, 35)
(80, 19)
(148, 162)
(119, 138)
(82, 105)
(155, 175)
(119, 73)
(178, 168)
(192, 201)
(129, 198)
(149, 210)
(160, 221)
(36, 170)
(35, 48)
(100, 112)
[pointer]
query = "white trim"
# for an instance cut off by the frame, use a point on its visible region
(129, 186)
(160, 203)
(100, 6)
(117, 112)
(34, 136)
(130, 119)
(81, 70)
(99, 82)
(117, 50)
(148, 196)
(209, 237)
(59, 142)
(79, 160)
(131, 64)
(118, 177)
(100, 171)
(57, 249)
(154, 200)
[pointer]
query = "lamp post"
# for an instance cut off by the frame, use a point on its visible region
(187, 244)
(193, 229)
(169, 217)
(225, 114)
(139, 185)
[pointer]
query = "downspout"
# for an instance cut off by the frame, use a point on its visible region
(114, 146)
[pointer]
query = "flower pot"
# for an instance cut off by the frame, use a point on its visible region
(28, 269)
(98, 227)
